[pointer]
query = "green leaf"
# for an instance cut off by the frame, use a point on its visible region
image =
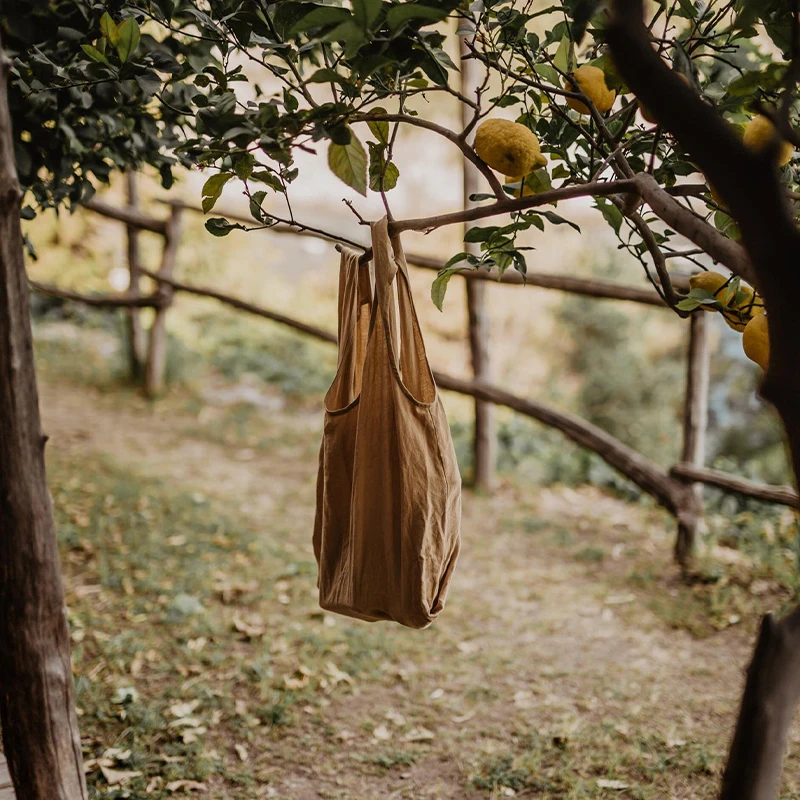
(380, 130)
(109, 28)
(256, 199)
(547, 72)
(400, 14)
(319, 17)
(439, 285)
(219, 226)
(129, 35)
(326, 76)
(688, 304)
(382, 176)
(214, 185)
(95, 54)
(366, 12)
(612, 214)
(348, 162)
(561, 58)
(478, 234)
(556, 219)
(243, 165)
(212, 189)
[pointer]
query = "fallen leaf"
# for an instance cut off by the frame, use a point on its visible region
(337, 675)
(183, 709)
(607, 784)
(117, 777)
(382, 732)
(241, 751)
(186, 786)
(251, 626)
(419, 735)
(395, 717)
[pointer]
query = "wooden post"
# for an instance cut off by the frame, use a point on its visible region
(484, 441)
(137, 343)
(37, 707)
(157, 349)
(695, 419)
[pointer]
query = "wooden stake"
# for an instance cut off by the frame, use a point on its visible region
(695, 419)
(157, 349)
(484, 437)
(137, 342)
(37, 707)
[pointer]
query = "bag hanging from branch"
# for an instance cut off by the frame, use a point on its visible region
(386, 534)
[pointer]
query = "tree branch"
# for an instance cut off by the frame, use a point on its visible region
(508, 206)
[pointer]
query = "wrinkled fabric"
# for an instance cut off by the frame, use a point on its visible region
(386, 533)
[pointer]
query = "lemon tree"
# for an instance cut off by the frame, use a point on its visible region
(640, 107)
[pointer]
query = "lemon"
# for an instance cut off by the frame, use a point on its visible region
(743, 310)
(759, 133)
(755, 340)
(647, 114)
(712, 282)
(508, 147)
(592, 82)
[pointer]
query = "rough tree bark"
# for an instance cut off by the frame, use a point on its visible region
(40, 729)
(750, 187)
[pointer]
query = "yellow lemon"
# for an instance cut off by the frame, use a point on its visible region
(592, 82)
(755, 341)
(508, 147)
(742, 311)
(759, 133)
(712, 282)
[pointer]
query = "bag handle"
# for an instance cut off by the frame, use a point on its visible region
(406, 346)
(354, 305)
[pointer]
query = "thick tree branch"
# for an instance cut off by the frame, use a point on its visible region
(709, 140)
(694, 228)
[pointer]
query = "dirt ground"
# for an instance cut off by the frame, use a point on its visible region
(553, 672)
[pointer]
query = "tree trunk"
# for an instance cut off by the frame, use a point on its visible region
(40, 729)
(484, 441)
(750, 186)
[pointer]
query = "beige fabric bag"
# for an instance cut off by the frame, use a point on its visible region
(386, 534)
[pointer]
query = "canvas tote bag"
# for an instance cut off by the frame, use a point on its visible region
(386, 534)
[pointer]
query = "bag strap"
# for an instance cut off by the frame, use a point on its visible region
(407, 349)
(355, 301)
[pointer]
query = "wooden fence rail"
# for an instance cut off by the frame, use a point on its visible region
(676, 489)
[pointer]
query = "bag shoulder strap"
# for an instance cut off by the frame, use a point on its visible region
(354, 306)
(396, 305)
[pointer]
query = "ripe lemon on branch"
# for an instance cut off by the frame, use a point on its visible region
(508, 147)
(592, 82)
(759, 133)
(739, 302)
(755, 340)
